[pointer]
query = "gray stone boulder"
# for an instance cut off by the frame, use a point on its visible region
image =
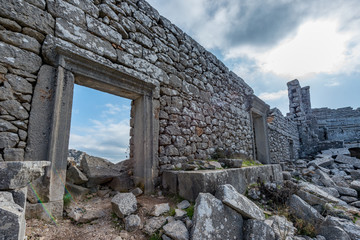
(124, 204)
(176, 230)
(322, 162)
(76, 191)
(15, 175)
(80, 215)
(334, 224)
(74, 175)
(12, 218)
(355, 185)
(303, 210)
(232, 198)
(347, 191)
(319, 193)
(283, 228)
(122, 182)
(348, 160)
(153, 224)
(183, 204)
(214, 220)
(98, 170)
(132, 223)
(160, 209)
(257, 230)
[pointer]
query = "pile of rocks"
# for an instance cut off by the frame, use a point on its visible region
(87, 174)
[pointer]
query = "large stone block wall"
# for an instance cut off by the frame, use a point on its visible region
(283, 137)
(342, 124)
(201, 105)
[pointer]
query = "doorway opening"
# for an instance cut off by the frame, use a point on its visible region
(260, 138)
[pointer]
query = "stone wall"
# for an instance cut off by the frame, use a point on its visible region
(342, 124)
(283, 137)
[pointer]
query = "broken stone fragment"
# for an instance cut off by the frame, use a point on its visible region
(15, 175)
(74, 175)
(153, 224)
(132, 223)
(124, 204)
(183, 204)
(214, 220)
(160, 209)
(303, 210)
(281, 226)
(257, 230)
(176, 230)
(229, 196)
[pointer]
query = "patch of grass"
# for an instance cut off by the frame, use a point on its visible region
(190, 211)
(304, 228)
(250, 162)
(67, 199)
(117, 222)
(172, 212)
(155, 236)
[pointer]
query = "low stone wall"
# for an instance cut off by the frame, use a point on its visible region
(188, 184)
(283, 137)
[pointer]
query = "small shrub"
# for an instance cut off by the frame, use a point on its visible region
(155, 236)
(305, 228)
(172, 212)
(67, 199)
(190, 211)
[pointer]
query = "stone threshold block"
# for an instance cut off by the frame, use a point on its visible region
(188, 184)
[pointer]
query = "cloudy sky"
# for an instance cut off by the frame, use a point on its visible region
(266, 42)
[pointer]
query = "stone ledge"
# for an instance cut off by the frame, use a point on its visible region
(188, 184)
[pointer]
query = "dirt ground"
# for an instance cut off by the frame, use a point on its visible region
(108, 227)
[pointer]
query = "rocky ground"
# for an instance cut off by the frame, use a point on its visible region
(318, 199)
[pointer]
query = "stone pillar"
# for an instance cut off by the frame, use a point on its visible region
(305, 99)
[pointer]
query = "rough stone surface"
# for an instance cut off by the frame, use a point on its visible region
(183, 204)
(74, 175)
(132, 223)
(176, 230)
(257, 230)
(124, 204)
(20, 40)
(229, 196)
(208, 213)
(333, 223)
(303, 210)
(160, 209)
(15, 175)
(153, 224)
(12, 218)
(282, 227)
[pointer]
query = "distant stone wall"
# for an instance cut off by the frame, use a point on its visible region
(283, 137)
(342, 124)
(201, 105)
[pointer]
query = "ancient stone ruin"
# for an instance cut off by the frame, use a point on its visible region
(186, 104)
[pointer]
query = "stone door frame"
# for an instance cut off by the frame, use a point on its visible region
(71, 68)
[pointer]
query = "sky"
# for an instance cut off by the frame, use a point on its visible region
(265, 42)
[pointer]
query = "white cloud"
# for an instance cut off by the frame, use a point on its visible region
(268, 96)
(332, 84)
(106, 137)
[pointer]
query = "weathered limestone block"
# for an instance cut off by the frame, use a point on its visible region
(303, 210)
(132, 223)
(19, 58)
(15, 175)
(153, 224)
(20, 40)
(10, 24)
(12, 218)
(8, 140)
(105, 10)
(74, 175)
(334, 224)
(15, 109)
(102, 30)
(84, 39)
(348, 160)
(6, 126)
(14, 154)
(214, 220)
(124, 204)
(257, 230)
(176, 230)
(19, 84)
(229, 196)
(76, 191)
(39, 3)
(27, 15)
(33, 33)
(62, 9)
(86, 5)
(160, 209)
(283, 228)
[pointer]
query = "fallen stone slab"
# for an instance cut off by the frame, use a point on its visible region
(232, 163)
(315, 190)
(257, 230)
(348, 199)
(15, 175)
(332, 191)
(98, 170)
(229, 196)
(333, 232)
(188, 184)
(176, 230)
(347, 191)
(76, 191)
(282, 228)
(213, 220)
(348, 160)
(351, 229)
(303, 210)
(153, 224)
(183, 204)
(124, 204)
(325, 179)
(74, 175)
(322, 162)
